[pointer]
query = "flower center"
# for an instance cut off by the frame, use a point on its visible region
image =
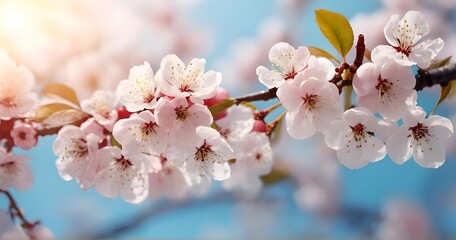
(181, 113)
(290, 75)
(185, 88)
(203, 152)
(403, 48)
(122, 164)
(358, 131)
(148, 128)
(310, 101)
(8, 102)
(78, 148)
(384, 88)
(9, 168)
(419, 132)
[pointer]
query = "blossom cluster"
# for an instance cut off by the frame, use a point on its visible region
(170, 132)
(384, 86)
(156, 136)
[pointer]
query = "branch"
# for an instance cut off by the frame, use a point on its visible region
(258, 96)
(433, 77)
(17, 211)
(160, 209)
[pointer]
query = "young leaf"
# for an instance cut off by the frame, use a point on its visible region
(439, 63)
(336, 29)
(47, 110)
(318, 52)
(64, 117)
(62, 91)
(445, 92)
(225, 104)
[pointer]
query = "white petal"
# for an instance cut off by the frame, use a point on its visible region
(351, 155)
(373, 149)
(424, 52)
(399, 145)
(220, 172)
(336, 134)
(390, 26)
(301, 58)
(439, 126)
(299, 124)
(429, 154)
(281, 55)
(365, 79)
(270, 79)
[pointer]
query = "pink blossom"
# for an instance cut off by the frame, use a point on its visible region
(177, 80)
(403, 36)
(14, 172)
(181, 118)
(122, 176)
(140, 134)
(384, 89)
(287, 61)
(356, 138)
(420, 137)
(204, 156)
(311, 103)
(16, 83)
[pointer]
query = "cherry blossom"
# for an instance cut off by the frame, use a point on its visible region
(24, 136)
(139, 91)
(180, 118)
(121, 176)
(102, 106)
(403, 36)
(287, 62)
(140, 134)
(176, 80)
(238, 122)
(14, 172)
(16, 83)
(254, 158)
(355, 137)
(403, 219)
(71, 148)
(311, 103)
(384, 89)
(169, 182)
(204, 156)
(420, 137)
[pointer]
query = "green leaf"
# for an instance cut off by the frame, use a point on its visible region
(439, 63)
(445, 91)
(225, 104)
(47, 110)
(318, 52)
(336, 29)
(62, 91)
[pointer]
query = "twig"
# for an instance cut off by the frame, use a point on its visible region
(17, 211)
(161, 209)
(258, 96)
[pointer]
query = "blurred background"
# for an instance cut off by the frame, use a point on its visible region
(92, 45)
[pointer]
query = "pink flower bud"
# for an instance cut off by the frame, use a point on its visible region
(259, 126)
(24, 136)
(221, 95)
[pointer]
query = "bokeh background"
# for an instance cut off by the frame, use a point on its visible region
(92, 45)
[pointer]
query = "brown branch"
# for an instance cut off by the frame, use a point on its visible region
(258, 96)
(17, 211)
(433, 77)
